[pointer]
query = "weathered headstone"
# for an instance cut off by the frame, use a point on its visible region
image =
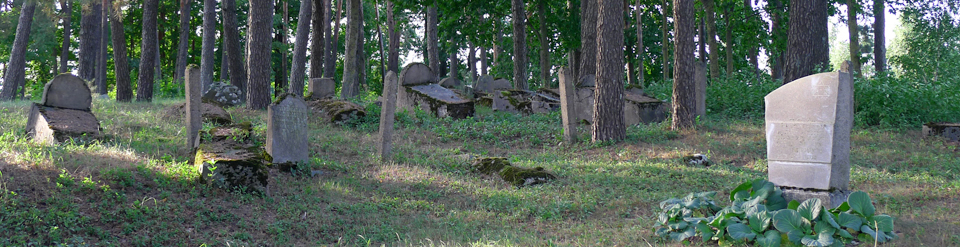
(487, 85)
(321, 88)
(336, 111)
(418, 88)
(639, 108)
(523, 101)
(67, 91)
(227, 158)
(567, 106)
(700, 78)
(64, 112)
(417, 74)
(222, 94)
(287, 133)
(387, 114)
(194, 121)
(950, 131)
(450, 82)
(808, 124)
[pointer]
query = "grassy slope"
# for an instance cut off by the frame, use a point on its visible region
(135, 188)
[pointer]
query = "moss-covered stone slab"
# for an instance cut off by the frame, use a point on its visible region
(637, 107)
(52, 125)
(210, 112)
(517, 176)
(523, 101)
(228, 159)
(440, 101)
(336, 111)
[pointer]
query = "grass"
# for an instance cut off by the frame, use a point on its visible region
(134, 187)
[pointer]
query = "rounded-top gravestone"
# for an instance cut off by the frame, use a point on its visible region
(417, 74)
(67, 91)
(287, 133)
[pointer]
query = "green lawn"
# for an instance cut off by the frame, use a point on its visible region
(134, 187)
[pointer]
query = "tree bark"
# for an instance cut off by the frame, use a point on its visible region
(519, 45)
(331, 63)
(807, 46)
(608, 123)
(102, 53)
(89, 40)
(484, 66)
(665, 43)
(640, 48)
(684, 97)
(497, 47)
(121, 66)
(14, 76)
(67, 6)
(852, 9)
(280, 36)
(879, 42)
(207, 54)
(148, 44)
(454, 61)
(433, 50)
(299, 65)
(779, 55)
(224, 61)
(361, 56)
(393, 33)
(754, 51)
(588, 38)
(351, 80)
(701, 40)
(258, 76)
(711, 22)
(383, 69)
(182, 50)
(238, 73)
(472, 61)
(544, 46)
(728, 43)
(317, 40)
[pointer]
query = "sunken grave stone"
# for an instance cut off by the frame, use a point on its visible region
(642, 109)
(487, 85)
(336, 111)
(64, 112)
(808, 124)
(517, 176)
(287, 133)
(700, 78)
(223, 94)
(523, 101)
(450, 82)
(321, 88)
(209, 113)
(567, 107)
(386, 115)
(950, 131)
(418, 89)
(588, 81)
(192, 106)
(228, 159)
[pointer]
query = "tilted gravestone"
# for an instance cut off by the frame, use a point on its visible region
(194, 120)
(387, 114)
(287, 133)
(321, 88)
(808, 124)
(63, 113)
(418, 88)
(567, 107)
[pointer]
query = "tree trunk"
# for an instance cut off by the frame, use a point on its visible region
(330, 67)
(67, 6)
(433, 50)
(454, 60)
(588, 38)
(383, 69)
(299, 65)
(102, 53)
(238, 73)
(483, 61)
(393, 33)
(852, 9)
(779, 56)
(185, 29)
(665, 43)
(879, 42)
(317, 41)
(684, 97)
(497, 47)
(754, 62)
(712, 38)
(351, 72)
(544, 46)
(701, 40)
(224, 58)
(472, 61)
(807, 46)
(207, 54)
(640, 48)
(89, 40)
(14, 76)
(608, 123)
(519, 45)
(280, 36)
(148, 44)
(361, 56)
(258, 76)
(121, 66)
(728, 43)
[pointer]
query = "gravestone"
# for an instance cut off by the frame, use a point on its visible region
(63, 113)
(418, 88)
(450, 82)
(567, 106)
(417, 74)
(387, 114)
(588, 81)
(222, 94)
(193, 107)
(950, 131)
(700, 78)
(639, 108)
(487, 85)
(287, 133)
(226, 157)
(808, 124)
(321, 88)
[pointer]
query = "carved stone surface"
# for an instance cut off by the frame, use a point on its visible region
(567, 106)
(387, 114)
(321, 88)
(223, 94)
(440, 101)
(52, 125)
(417, 74)
(950, 131)
(192, 106)
(67, 91)
(287, 133)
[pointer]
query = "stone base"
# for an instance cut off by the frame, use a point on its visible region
(526, 102)
(951, 131)
(440, 101)
(827, 199)
(54, 125)
(228, 159)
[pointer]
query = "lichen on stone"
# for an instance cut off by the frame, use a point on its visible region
(516, 176)
(490, 165)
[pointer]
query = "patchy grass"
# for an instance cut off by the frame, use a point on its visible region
(134, 187)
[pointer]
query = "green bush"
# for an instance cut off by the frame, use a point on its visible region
(898, 102)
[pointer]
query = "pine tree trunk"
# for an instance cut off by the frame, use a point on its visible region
(14, 76)
(640, 48)
(184, 36)
(588, 38)
(280, 37)
(383, 57)
(484, 66)
(299, 65)
(67, 6)
(852, 9)
(544, 46)
(393, 33)
(728, 43)
(701, 40)
(224, 62)
(331, 63)
(608, 123)
(121, 65)
(472, 61)
(433, 50)
(497, 47)
(89, 40)
(665, 43)
(454, 63)
(102, 54)
(754, 51)
(519, 45)
(351, 80)
(238, 73)
(879, 42)
(317, 41)
(711, 22)
(779, 55)
(361, 56)
(684, 97)
(207, 54)
(807, 46)
(148, 43)
(258, 61)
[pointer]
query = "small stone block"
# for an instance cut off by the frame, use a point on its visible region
(828, 199)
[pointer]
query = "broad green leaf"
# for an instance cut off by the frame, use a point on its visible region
(770, 238)
(736, 193)
(661, 232)
(679, 225)
(820, 240)
(793, 204)
(668, 203)
(775, 201)
(878, 235)
(759, 220)
(680, 236)
(823, 227)
(788, 220)
(741, 232)
(845, 234)
(827, 217)
(706, 195)
(762, 189)
(861, 204)
(662, 219)
(705, 231)
(842, 208)
(882, 222)
(849, 221)
(810, 209)
(795, 236)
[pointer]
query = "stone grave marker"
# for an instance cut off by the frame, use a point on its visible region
(417, 74)
(322, 88)
(418, 88)
(193, 107)
(287, 133)
(222, 94)
(950, 131)
(386, 115)
(450, 82)
(67, 91)
(808, 124)
(63, 113)
(567, 106)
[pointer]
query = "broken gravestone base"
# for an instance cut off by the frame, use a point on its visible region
(53, 125)
(829, 199)
(228, 159)
(439, 101)
(210, 113)
(950, 131)
(336, 111)
(517, 176)
(522, 101)
(223, 94)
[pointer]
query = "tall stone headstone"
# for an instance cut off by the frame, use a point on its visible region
(567, 106)
(67, 91)
(417, 74)
(193, 106)
(386, 115)
(700, 78)
(63, 113)
(287, 133)
(321, 88)
(808, 125)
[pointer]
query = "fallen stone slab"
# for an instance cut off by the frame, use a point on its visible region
(440, 101)
(227, 159)
(52, 125)
(523, 101)
(517, 176)
(336, 111)
(950, 131)
(210, 113)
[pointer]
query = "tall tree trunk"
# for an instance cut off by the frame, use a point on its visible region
(588, 38)
(879, 42)
(807, 46)
(148, 44)
(280, 36)
(728, 43)
(852, 9)
(185, 29)
(260, 27)
(67, 6)
(684, 97)
(665, 43)
(121, 66)
(361, 54)
(393, 33)
(351, 70)
(317, 40)
(711, 22)
(299, 65)
(433, 50)
(238, 73)
(89, 40)
(778, 33)
(331, 63)
(14, 76)
(224, 62)
(702, 40)
(497, 47)
(383, 70)
(544, 46)
(484, 66)
(207, 54)
(640, 48)
(454, 60)
(519, 45)
(608, 123)
(102, 53)
(472, 61)
(754, 62)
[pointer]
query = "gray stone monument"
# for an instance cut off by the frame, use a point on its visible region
(387, 114)
(287, 133)
(321, 88)
(419, 88)
(808, 124)
(193, 107)
(450, 82)
(67, 91)
(417, 74)
(700, 78)
(567, 106)
(63, 113)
